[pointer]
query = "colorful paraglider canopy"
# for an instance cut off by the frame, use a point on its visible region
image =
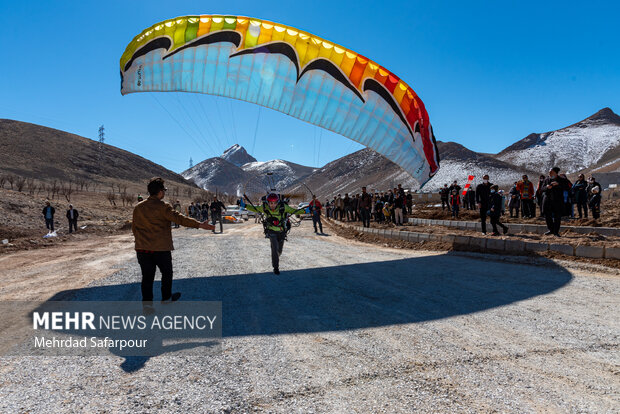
(288, 70)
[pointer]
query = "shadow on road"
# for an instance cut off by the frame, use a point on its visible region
(353, 296)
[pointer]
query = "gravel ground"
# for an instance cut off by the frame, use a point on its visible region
(349, 327)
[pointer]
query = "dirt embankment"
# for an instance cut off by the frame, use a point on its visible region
(568, 238)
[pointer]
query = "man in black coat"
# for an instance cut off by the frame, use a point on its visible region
(553, 200)
(580, 195)
(216, 208)
(495, 210)
(483, 191)
(72, 216)
(444, 192)
(48, 214)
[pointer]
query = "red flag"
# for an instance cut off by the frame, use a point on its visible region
(470, 178)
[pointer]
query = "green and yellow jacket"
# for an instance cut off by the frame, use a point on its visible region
(276, 219)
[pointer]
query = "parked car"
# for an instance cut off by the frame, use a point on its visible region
(236, 211)
(305, 215)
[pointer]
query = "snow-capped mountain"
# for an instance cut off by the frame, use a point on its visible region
(237, 155)
(224, 175)
(217, 175)
(281, 173)
(574, 148)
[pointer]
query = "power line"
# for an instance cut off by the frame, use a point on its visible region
(179, 124)
(180, 101)
(256, 129)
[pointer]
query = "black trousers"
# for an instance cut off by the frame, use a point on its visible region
(483, 217)
(495, 222)
(444, 203)
(528, 209)
(583, 206)
(49, 223)
(365, 213)
(217, 217)
(553, 218)
(148, 263)
(316, 219)
(277, 244)
(72, 224)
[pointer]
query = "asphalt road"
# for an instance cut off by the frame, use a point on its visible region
(348, 327)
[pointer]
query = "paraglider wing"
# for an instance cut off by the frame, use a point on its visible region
(288, 70)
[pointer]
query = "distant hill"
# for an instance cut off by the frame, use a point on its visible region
(581, 146)
(42, 153)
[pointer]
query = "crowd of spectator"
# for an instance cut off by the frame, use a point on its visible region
(554, 197)
(382, 207)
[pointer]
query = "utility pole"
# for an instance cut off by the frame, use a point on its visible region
(101, 134)
(191, 162)
(101, 140)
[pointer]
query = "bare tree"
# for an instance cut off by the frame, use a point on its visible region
(189, 192)
(127, 198)
(31, 186)
(66, 189)
(2, 180)
(111, 196)
(11, 180)
(81, 183)
(52, 189)
(19, 183)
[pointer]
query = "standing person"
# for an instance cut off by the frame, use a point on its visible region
(496, 203)
(48, 215)
(595, 203)
(471, 194)
(401, 192)
(568, 200)
(455, 201)
(365, 205)
(539, 193)
(444, 193)
(177, 207)
(387, 212)
(204, 210)
(276, 214)
(483, 191)
(315, 209)
(409, 203)
(339, 208)
(553, 200)
(153, 240)
(526, 192)
(580, 196)
(592, 184)
(216, 208)
(72, 216)
(327, 209)
(514, 201)
(453, 186)
(399, 205)
(347, 207)
(379, 210)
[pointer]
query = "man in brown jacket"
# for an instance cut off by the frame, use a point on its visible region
(151, 226)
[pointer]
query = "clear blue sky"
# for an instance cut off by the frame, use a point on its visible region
(489, 72)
